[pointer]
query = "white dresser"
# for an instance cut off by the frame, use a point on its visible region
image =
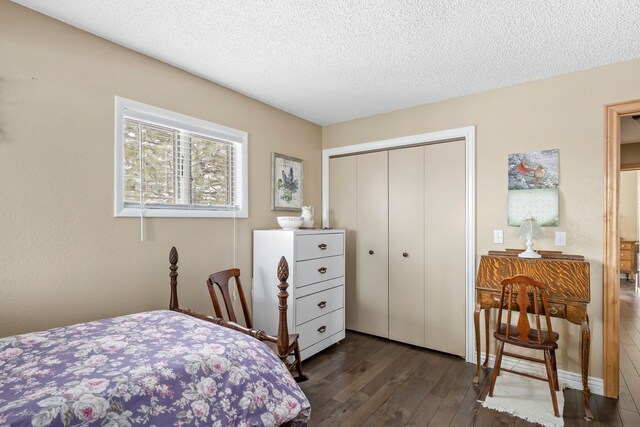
(316, 284)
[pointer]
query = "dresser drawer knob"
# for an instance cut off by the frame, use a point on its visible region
(322, 246)
(322, 270)
(322, 329)
(322, 304)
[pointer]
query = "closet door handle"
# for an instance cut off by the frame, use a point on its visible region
(322, 246)
(322, 270)
(406, 255)
(322, 329)
(322, 304)
(370, 252)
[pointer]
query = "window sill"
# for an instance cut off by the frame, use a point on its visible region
(178, 213)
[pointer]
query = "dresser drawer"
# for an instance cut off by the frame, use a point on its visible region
(319, 304)
(321, 328)
(318, 270)
(626, 255)
(625, 265)
(626, 245)
(310, 246)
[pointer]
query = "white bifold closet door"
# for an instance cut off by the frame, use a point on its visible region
(445, 246)
(343, 214)
(404, 214)
(372, 245)
(358, 188)
(406, 245)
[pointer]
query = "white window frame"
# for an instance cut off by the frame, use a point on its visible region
(137, 110)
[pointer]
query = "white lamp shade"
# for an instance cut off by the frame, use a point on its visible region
(531, 228)
(528, 230)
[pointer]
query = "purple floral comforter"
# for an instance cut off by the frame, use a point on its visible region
(157, 368)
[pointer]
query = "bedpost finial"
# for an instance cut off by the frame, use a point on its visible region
(173, 274)
(283, 330)
(283, 270)
(173, 255)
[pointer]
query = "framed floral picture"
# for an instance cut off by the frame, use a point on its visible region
(287, 175)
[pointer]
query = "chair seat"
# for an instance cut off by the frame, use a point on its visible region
(293, 339)
(532, 341)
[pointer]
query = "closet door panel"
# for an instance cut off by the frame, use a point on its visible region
(372, 244)
(343, 214)
(406, 245)
(445, 246)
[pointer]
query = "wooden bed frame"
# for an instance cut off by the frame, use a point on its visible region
(282, 340)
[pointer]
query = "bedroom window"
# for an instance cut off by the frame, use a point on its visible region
(172, 165)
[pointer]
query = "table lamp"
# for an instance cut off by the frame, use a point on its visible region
(530, 230)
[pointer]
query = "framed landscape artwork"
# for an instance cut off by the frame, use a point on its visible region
(287, 175)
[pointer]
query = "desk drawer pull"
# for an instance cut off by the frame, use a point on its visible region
(322, 304)
(322, 329)
(558, 310)
(322, 270)
(322, 246)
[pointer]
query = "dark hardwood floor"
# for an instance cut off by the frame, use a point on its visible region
(629, 347)
(369, 381)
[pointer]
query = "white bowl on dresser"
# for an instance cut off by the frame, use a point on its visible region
(290, 222)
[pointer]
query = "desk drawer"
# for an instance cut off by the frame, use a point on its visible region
(625, 265)
(310, 246)
(557, 310)
(318, 304)
(318, 270)
(321, 328)
(626, 245)
(626, 255)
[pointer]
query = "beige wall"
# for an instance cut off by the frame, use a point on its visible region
(565, 112)
(629, 205)
(64, 257)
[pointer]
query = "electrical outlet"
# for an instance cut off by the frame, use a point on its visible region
(498, 236)
(561, 238)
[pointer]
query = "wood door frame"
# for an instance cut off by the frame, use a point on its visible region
(611, 267)
(469, 135)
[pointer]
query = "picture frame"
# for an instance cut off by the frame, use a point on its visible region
(287, 183)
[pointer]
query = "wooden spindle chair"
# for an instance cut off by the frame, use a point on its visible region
(519, 293)
(290, 345)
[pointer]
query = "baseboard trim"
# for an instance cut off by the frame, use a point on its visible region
(569, 379)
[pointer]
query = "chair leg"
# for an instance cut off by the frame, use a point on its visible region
(552, 386)
(301, 377)
(554, 366)
(496, 367)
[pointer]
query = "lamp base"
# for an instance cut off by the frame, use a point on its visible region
(529, 253)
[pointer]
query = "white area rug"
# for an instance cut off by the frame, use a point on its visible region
(525, 398)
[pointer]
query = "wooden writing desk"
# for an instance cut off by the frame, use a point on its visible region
(568, 287)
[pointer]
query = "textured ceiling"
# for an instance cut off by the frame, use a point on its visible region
(329, 61)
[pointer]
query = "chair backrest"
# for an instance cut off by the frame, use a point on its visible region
(221, 280)
(519, 293)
